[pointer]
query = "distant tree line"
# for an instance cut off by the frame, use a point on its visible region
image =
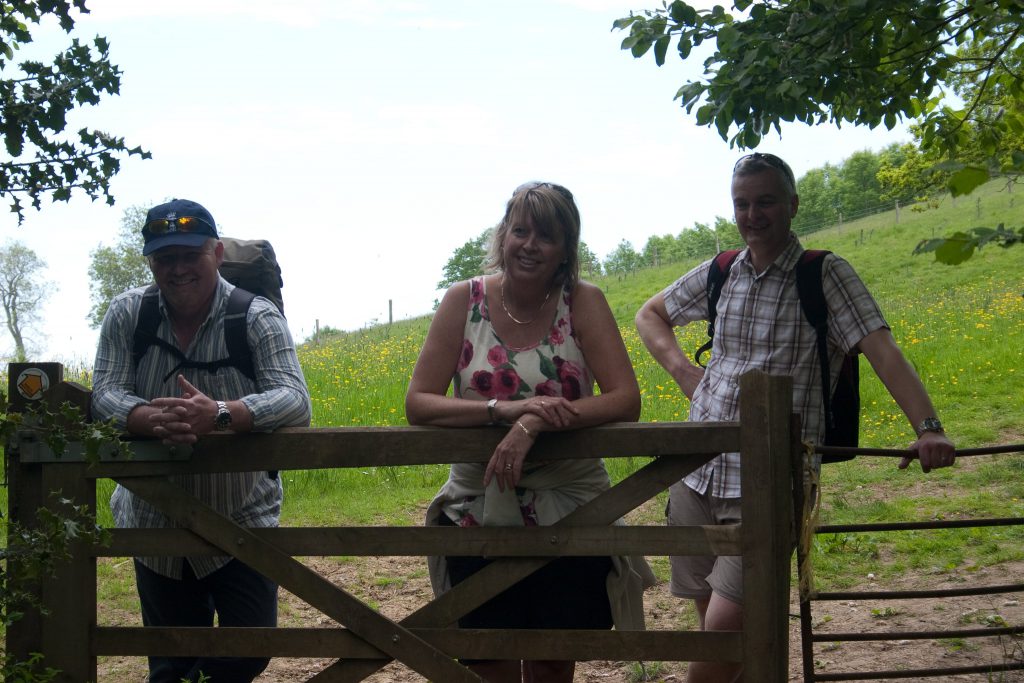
(863, 184)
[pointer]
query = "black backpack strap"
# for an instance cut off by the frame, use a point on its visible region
(811, 291)
(812, 300)
(236, 332)
(147, 324)
(717, 274)
(235, 335)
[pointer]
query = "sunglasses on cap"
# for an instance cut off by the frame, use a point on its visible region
(162, 226)
(770, 160)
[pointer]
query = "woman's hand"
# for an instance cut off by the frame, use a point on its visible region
(554, 410)
(506, 464)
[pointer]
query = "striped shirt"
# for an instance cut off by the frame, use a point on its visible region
(278, 398)
(761, 326)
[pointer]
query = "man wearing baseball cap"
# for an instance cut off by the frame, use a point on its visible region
(179, 401)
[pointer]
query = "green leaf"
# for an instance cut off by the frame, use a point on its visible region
(956, 250)
(967, 179)
(660, 49)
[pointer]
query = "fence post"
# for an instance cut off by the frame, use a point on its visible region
(68, 598)
(766, 405)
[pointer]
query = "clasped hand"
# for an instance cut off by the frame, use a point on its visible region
(528, 417)
(183, 420)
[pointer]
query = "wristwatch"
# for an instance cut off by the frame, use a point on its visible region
(490, 410)
(930, 424)
(222, 422)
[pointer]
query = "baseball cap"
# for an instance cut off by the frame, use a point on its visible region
(178, 223)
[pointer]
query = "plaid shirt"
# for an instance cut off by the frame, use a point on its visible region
(760, 326)
(278, 398)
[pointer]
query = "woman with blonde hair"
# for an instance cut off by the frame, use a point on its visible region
(523, 346)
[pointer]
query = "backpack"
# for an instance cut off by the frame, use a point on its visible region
(252, 267)
(842, 406)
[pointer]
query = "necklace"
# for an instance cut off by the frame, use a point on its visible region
(514, 319)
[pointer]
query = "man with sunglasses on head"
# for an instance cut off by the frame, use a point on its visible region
(160, 395)
(760, 325)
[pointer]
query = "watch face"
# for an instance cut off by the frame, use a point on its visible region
(223, 420)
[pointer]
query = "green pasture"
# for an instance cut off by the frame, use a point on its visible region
(962, 327)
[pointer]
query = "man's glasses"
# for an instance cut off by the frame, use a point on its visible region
(533, 185)
(760, 159)
(162, 226)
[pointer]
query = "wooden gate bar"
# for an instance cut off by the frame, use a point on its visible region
(303, 582)
(304, 448)
(423, 541)
(475, 644)
(604, 509)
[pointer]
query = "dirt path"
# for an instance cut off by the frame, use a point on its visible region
(399, 585)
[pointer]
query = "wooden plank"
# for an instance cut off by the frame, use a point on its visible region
(423, 541)
(767, 528)
(69, 596)
(24, 497)
(298, 448)
(463, 643)
(497, 576)
(301, 581)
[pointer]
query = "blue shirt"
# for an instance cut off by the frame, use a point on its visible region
(277, 398)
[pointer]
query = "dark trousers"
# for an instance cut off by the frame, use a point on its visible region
(239, 595)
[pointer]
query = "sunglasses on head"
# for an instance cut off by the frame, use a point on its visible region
(161, 226)
(526, 187)
(770, 160)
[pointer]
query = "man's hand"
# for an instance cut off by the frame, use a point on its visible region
(934, 450)
(184, 419)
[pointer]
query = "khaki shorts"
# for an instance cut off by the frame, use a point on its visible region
(697, 576)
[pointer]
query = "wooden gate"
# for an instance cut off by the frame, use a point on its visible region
(426, 641)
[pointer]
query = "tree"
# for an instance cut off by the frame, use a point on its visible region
(905, 174)
(35, 99)
(623, 260)
(870, 62)
(21, 292)
(467, 261)
(589, 263)
(116, 269)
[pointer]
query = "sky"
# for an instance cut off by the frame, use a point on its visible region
(367, 140)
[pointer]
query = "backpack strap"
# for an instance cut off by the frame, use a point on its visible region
(717, 274)
(812, 301)
(236, 331)
(235, 335)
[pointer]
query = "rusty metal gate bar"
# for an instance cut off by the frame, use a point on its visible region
(808, 637)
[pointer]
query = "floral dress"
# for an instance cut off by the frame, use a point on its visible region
(547, 491)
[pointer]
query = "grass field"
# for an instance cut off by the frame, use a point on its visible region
(960, 326)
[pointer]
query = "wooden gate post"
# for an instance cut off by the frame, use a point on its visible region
(62, 629)
(766, 403)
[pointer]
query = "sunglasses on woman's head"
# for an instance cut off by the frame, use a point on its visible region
(526, 187)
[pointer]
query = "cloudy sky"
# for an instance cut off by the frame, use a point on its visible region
(367, 140)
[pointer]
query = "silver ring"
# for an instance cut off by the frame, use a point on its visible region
(508, 466)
